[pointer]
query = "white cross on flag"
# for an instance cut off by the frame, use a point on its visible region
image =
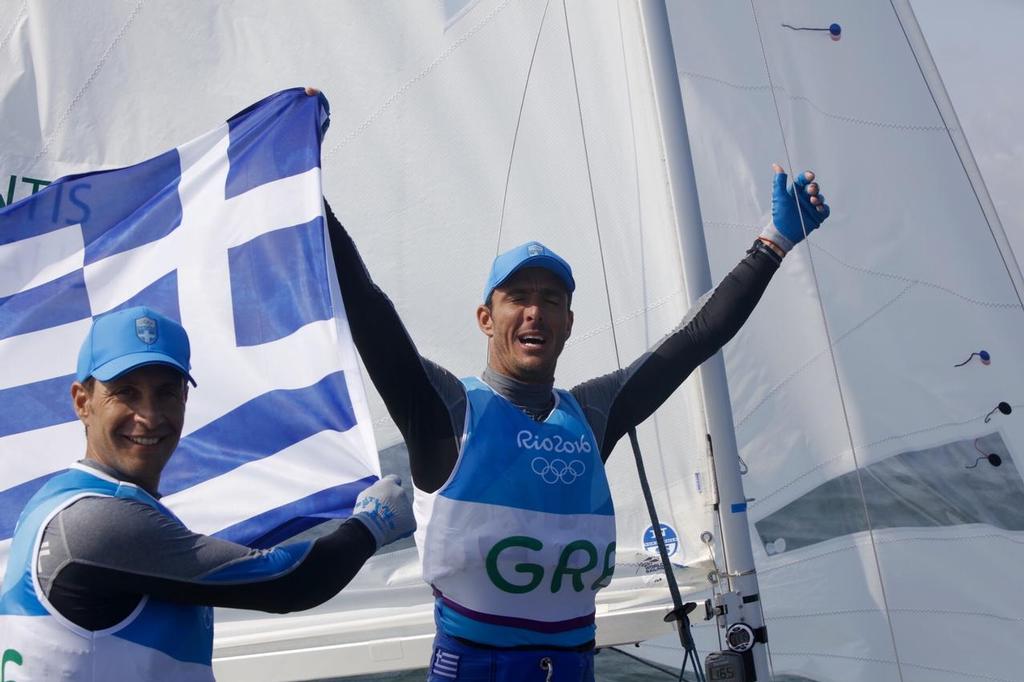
(225, 234)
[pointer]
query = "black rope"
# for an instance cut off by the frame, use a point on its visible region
(679, 611)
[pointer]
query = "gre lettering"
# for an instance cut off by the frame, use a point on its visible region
(9, 656)
(531, 569)
(582, 553)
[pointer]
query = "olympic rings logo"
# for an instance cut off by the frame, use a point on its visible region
(557, 470)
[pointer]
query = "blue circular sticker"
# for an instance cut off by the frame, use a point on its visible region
(671, 539)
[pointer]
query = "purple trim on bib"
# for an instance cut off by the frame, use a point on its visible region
(544, 626)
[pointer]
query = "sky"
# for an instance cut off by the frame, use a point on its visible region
(978, 49)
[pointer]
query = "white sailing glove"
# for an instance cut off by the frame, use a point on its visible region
(385, 510)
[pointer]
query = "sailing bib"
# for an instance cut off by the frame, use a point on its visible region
(521, 537)
(158, 641)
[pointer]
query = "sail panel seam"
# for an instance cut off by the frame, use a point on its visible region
(754, 229)
(897, 663)
(888, 541)
(88, 83)
(919, 127)
(967, 163)
(407, 85)
(939, 612)
(653, 305)
(821, 353)
(14, 24)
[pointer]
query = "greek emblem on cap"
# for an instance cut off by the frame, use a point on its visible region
(534, 249)
(145, 329)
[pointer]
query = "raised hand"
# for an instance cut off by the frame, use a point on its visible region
(797, 210)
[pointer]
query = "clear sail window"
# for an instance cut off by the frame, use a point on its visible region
(962, 482)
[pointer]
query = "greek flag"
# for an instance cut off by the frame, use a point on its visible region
(225, 234)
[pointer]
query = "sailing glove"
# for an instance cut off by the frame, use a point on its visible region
(385, 510)
(793, 212)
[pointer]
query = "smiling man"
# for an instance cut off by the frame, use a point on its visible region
(103, 581)
(516, 528)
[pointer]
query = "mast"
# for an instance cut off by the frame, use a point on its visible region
(739, 579)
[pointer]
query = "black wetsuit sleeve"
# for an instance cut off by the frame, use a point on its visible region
(101, 555)
(618, 401)
(426, 402)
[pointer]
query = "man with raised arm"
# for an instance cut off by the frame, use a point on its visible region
(516, 529)
(103, 581)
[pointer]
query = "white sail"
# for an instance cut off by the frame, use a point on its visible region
(456, 132)
(870, 531)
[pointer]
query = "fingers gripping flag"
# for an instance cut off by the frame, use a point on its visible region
(226, 235)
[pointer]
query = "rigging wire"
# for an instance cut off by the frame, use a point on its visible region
(832, 355)
(590, 183)
(963, 162)
(678, 612)
(519, 120)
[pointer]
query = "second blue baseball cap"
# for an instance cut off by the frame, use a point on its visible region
(528, 255)
(124, 340)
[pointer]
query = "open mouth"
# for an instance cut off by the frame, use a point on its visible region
(532, 340)
(144, 440)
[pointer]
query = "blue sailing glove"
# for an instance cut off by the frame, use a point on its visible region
(801, 199)
(385, 510)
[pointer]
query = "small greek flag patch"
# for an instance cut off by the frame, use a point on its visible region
(445, 664)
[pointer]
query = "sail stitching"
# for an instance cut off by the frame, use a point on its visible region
(14, 24)
(897, 663)
(625, 318)
(803, 98)
(754, 229)
(405, 87)
(817, 356)
(831, 350)
(845, 657)
(963, 162)
(939, 612)
(911, 280)
(960, 538)
(88, 82)
(930, 428)
(902, 540)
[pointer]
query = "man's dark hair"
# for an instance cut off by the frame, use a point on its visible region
(568, 299)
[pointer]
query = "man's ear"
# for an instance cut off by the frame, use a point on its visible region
(485, 320)
(568, 331)
(80, 400)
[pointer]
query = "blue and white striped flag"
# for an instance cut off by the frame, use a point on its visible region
(226, 235)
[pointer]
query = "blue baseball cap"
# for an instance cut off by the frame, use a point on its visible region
(124, 340)
(528, 255)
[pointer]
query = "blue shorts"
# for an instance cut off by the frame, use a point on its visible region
(455, 660)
